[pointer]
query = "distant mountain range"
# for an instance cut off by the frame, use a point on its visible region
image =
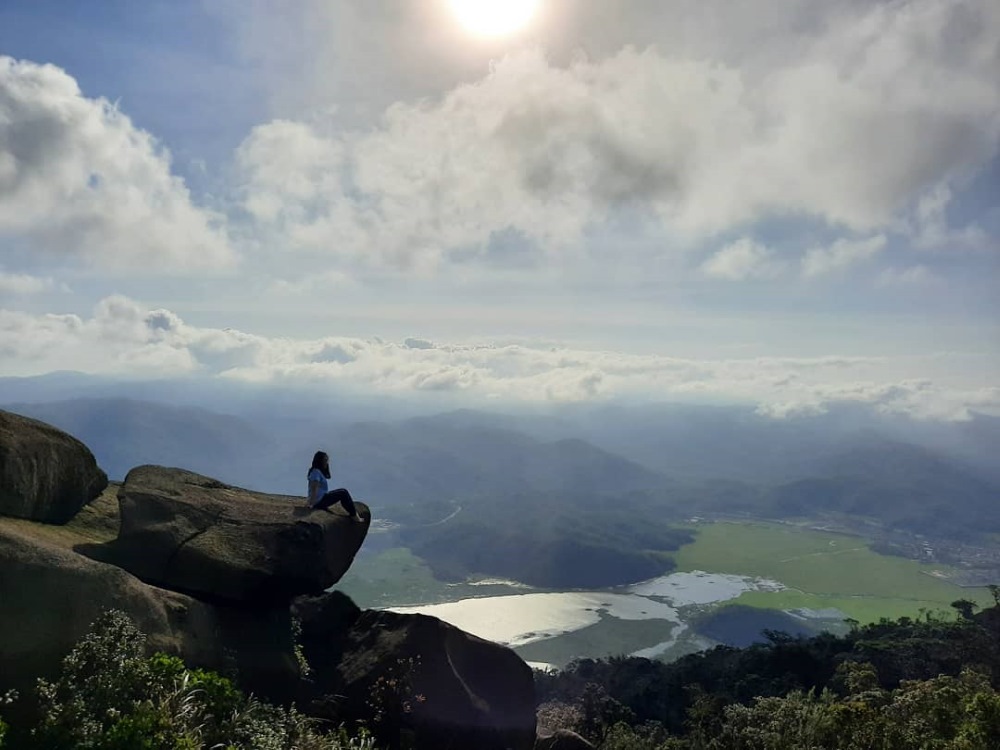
(576, 485)
(124, 433)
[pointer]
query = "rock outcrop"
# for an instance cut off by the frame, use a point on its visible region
(194, 534)
(45, 474)
(211, 573)
(460, 691)
(50, 596)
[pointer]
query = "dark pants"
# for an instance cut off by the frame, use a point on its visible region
(333, 497)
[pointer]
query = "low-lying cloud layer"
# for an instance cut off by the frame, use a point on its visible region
(125, 338)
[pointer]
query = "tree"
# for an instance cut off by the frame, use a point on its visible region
(965, 608)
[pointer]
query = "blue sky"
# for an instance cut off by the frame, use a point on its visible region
(786, 203)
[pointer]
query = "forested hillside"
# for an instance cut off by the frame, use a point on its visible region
(897, 685)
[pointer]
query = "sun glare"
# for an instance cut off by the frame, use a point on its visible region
(494, 17)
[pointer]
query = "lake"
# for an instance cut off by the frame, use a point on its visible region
(551, 628)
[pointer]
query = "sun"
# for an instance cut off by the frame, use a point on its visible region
(494, 17)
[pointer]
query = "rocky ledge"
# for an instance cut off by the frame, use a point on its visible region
(194, 534)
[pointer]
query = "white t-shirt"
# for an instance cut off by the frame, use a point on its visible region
(315, 475)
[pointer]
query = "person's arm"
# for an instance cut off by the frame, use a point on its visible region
(315, 491)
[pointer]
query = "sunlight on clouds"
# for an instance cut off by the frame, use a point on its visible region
(709, 191)
(493, 17)
(853, 126)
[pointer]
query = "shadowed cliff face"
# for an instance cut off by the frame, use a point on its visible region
(459, 691)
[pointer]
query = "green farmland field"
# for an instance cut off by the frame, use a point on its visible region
(822, 570)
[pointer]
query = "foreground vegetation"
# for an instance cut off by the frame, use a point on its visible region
(894, 685)
(909, 684)
(110, 696)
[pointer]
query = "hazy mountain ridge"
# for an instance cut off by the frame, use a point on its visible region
(124, 433)
(523, 486)
(466, 454)
(413, 459)
(902, 485)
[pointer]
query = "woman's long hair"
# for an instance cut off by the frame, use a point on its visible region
(321, 461)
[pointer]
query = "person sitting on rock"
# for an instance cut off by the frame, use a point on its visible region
(320, 498)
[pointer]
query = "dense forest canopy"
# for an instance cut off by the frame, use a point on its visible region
(908, 683)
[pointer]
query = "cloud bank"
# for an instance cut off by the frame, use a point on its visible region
(860, 126)
(124, 337)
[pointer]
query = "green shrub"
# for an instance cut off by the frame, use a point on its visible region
(149, 727)
(110, 696)
(5, 700)
(621, 736)
(945, 713)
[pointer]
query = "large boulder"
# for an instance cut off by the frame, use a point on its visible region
(45, 474)
(443, 687)
(194, 534)
(50, 596)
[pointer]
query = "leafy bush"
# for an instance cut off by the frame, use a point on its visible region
(110, 696)
(946, 713)
(621, 736)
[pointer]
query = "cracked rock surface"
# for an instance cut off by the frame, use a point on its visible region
(194, 534)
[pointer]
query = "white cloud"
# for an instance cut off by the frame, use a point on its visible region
(312, 285)
(124, 337)
(23, 284)
(840, 256)
(849, 124)
(78, 179)
(289, 167)
(931, 230)
(743, 259)
(912, 276)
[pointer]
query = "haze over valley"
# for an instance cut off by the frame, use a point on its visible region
(503, 511)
